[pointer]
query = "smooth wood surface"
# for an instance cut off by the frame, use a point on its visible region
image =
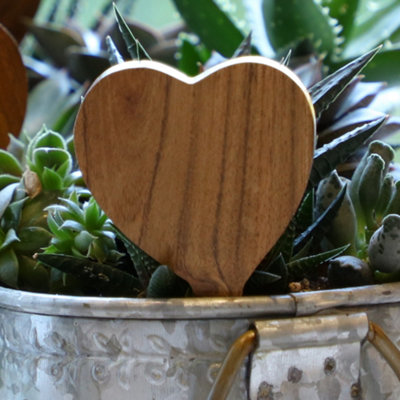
(202, 173)
(13, 87)
(15, 13)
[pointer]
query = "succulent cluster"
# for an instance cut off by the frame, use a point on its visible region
(55, 238)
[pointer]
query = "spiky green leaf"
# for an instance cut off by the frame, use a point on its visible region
(329, 156)
(326, 91)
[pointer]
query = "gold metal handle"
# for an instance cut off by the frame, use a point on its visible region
(247, 343)
(240, 349)
(390, 352)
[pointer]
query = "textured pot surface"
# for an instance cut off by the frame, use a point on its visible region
(67, 348)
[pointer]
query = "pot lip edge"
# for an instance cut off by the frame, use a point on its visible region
(293, 304)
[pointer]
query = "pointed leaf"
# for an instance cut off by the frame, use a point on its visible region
(6, 196)
(321, 223)
(329, 156)
(100, 276)
(306, 266)
(326, 91)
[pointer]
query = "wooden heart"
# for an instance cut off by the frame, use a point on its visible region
(202, 173)
(14, 87)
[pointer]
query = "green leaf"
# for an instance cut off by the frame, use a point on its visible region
(32, 239)
(49, 157)
(72, 226)
(48, 139)
(373, 31)
(114, 57)
(382, 67)
(259, 282)
(6, 180)
(164, 283)
(289, 22)
(189, 58)
(133, 45)
(9, 164)
(214, 28)
(317, 228)
(92, 215)
(143, 263)
(102, 277)
(48, 100)
(64, 169)
(9, 268)
(55, 41)
(51, 180)
(345, 12)
(84, 66)
(6, 196)
(353, 120)
(307, 266)
(33, 276)
(305, 214)
(326, 91)
(10, 238)
(329, 156)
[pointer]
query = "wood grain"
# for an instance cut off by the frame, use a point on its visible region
(15, 13)
(202, 173)
(13, 87)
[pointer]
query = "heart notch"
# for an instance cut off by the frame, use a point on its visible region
(205, 173)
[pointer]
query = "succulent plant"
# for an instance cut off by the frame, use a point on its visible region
(55, 238)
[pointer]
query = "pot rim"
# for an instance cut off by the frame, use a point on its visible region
(293, 304)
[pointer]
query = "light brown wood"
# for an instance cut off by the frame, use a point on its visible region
(13, 87)
(202, 173)
(14, 15)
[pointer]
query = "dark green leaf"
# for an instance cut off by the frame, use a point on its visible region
(165, 284)
(305, 214)
(211, 24)
(133, 45)
(289, 22)
(329, 156)
(9, 268)
(143, 263)
(10, 238)
(351, 121)
(55, 41)
(307, 266)
(385, 66)
(105, 278)
(259, 282)
(317, 228)
(189, 57)
(326, 91)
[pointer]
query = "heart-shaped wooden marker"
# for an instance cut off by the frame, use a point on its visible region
(13, 87)
(202, 173)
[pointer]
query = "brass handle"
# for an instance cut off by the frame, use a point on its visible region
(247, 343)
(238, 352)
(390, 352)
